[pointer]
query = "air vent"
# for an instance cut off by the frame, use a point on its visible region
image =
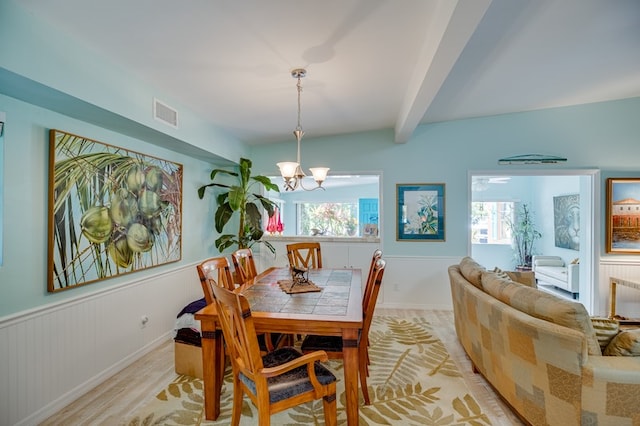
(166, 114)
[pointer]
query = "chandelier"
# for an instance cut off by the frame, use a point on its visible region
(292, 171)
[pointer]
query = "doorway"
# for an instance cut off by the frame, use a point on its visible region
(540, 189)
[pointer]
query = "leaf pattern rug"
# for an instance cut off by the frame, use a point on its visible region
(413, 381)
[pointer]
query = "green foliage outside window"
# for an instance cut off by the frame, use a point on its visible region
(332, 219)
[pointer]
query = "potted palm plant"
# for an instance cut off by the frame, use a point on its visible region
(523, 236)
(240, 198)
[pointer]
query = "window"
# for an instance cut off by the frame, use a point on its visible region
(489, 222)
(347, 207)
(331, 219)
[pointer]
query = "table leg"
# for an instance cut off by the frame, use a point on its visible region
(212, 369)
(350, 359)
(612, 299)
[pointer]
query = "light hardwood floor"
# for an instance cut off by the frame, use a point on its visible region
(119, 397)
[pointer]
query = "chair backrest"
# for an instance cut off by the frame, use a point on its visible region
(244, 264)
(214, 272)
(305, 255)
(234, 315)
(377, 254)
(367, 312)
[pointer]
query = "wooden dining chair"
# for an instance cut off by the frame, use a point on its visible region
(332, 345)
(377, 254)
(244, 265)
(305, 255)
(277, 381)
(215, 272)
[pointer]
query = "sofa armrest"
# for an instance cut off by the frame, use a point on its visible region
(611, 389)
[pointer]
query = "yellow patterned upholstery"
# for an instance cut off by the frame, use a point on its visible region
(606, 329)
(625, 343)
(541, 368)
(544, 306)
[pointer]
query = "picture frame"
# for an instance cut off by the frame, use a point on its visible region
(623, 216)
(566, 221)
(112, 211)
(420, 212)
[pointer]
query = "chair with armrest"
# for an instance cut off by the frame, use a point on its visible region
(333, 344)
(305, 255)
(215, 272)
(277, 381)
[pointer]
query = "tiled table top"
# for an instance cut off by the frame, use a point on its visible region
(267, 296)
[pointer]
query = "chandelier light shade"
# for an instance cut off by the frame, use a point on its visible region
(292, 172)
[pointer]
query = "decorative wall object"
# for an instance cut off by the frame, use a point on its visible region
(532, 159)
(112, 211)
(566, 220)
(420, 212)
(623, 215)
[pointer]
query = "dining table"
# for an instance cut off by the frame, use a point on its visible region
(334, 310)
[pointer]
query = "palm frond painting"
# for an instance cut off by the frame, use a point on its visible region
(420, 212)
(112, 211)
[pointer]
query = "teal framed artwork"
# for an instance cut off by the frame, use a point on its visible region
(420, 212)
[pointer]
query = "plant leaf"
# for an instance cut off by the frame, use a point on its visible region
(266, 203)
(225, 172)
(266, 182)
(236, 197)
(223, 214)
(225, 241)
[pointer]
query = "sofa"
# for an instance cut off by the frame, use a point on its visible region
(543, 354)
(552, 270)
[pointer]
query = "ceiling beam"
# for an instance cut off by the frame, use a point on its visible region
(453, 24)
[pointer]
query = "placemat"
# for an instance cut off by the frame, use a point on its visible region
(288, 287)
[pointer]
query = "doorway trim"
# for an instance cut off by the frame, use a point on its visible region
(592, 235)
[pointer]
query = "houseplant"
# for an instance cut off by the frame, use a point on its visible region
(523, 236)
(239, 198)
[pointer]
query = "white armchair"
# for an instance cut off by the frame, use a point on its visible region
(552, 270)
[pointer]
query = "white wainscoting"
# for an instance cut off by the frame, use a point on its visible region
(416, 283)
(628, 299)
(51, 355)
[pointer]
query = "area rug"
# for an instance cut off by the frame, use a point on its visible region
(413, 381)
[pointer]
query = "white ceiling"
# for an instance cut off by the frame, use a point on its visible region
(372, 64)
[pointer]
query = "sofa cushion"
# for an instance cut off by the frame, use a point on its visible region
(544, 306)
(626, 343)
(606, 329)
(472, 271)
(527, 278)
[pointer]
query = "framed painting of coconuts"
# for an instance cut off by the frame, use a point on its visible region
(112, 211)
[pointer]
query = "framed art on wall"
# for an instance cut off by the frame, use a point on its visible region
(420, 212)
(112, 211)
(623, 215)
(566, 221)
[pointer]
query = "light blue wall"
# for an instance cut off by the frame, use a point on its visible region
(600, 135)
(65, 85)
(23, 282)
